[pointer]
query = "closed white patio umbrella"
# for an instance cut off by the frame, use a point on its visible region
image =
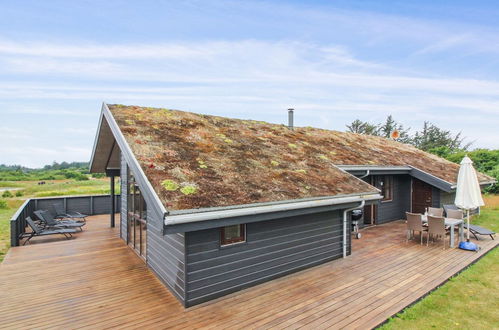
(468, 195)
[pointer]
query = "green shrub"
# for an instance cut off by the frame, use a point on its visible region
(3, 204)
(47, 177)
(19, 193)
(7, 194)
(81, 177)
(70, 174)
(98, 175)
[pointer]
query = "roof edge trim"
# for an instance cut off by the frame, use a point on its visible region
(482, 183)
(96, 140)
(431, 179)
(254, 210)
(131, 160)
(373, 168)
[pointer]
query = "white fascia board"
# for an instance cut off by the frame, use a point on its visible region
(254, 210)
(96, 140)
(140, 177)
(373, 168)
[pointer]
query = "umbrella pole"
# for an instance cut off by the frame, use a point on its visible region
(468, 231)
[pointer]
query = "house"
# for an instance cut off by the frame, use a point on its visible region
(214, 205)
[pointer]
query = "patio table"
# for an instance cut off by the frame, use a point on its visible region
(452, 223)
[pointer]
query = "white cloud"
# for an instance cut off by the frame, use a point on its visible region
(109, 51)
(445, 44)
(281, 64)
(329, 86)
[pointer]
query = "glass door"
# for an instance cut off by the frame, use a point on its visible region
(137, 219)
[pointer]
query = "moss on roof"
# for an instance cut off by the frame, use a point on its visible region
(195, 160)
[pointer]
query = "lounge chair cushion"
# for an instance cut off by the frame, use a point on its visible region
(480, 230)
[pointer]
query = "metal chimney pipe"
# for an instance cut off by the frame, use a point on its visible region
(290, 118)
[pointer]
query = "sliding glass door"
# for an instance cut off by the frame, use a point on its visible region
(137, 218)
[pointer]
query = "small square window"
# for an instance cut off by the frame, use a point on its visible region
(232, 234)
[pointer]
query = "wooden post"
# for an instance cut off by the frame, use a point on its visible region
(113, 206)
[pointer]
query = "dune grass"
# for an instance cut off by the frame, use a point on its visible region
(468, 301)
(32, 189)
(60, 187)
(5, 215)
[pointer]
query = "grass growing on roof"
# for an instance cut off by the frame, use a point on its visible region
(239, 158)
(195, 160)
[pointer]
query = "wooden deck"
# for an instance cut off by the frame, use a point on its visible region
(95, 281)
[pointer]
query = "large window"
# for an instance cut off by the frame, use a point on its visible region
(232, 234)
(137, 218)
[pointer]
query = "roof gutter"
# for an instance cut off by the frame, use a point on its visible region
(365, 175)
(170, 220)
(485, 183)
(345, 223)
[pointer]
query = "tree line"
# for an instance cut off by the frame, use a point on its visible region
(55, 171)
(436, 140)
(430, 138)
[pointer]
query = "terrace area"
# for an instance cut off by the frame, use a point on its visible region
(96, 281)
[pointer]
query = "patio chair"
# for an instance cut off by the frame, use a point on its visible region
(37, 231)
(414, 223)
(61, 214)
(435, 211)
(51, 222)
(436, 228)
(448, 207)
(455, 214)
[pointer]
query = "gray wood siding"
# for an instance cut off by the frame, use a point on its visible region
(401, 202)
(273, 248)
(435, 197)
(447, 198)
(166, 255)
(124, 198)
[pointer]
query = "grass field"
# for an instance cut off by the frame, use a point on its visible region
(31, 189)
(469, 300)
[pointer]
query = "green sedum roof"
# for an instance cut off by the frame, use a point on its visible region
(198, 161)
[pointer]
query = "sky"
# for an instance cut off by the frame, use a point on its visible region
(333, 61)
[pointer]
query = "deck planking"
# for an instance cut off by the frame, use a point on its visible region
(95, 281)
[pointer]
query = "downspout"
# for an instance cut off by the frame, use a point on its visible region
(367, 173)
(345, 222)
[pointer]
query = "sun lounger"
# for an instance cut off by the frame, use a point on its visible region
(454, 207)
(477, 230)
(51, 222)
(37, 231)
(61, 214)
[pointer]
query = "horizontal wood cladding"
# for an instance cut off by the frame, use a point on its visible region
(400, 203)
(447, 198)
(166, 255)
(273, 248)
(435, 197)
